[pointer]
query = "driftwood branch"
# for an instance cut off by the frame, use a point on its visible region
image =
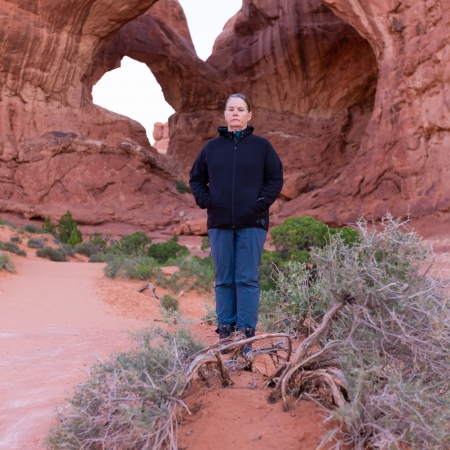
(150, 287)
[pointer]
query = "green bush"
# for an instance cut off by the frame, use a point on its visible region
(6, 263)
(99, 240)
(16, 239)
(167, 251)
(132, 244)
(48, 226)
(54, 254)
(206, 243)
(12, 248)
(68, 232)
(170, 303)
(30, 228)
(36, 243)
(294, 240)
(86, 249)
(67, 250)
(96, 258)
(131, 400)
(195, 274)
(182, 188)
(8, 223)
(136, 267)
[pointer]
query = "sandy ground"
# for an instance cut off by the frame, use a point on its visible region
(57, 318)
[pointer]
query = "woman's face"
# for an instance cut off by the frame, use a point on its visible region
(237, 114)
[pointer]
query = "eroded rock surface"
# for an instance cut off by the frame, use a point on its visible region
(402, 164)
(310, 71)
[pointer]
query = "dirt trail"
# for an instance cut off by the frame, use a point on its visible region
(53, 324)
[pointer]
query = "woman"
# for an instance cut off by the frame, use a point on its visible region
(237, 176)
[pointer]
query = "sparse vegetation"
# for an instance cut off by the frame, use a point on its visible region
(140, 267)
(294, 240)
(68, 232)
(16, 239)
(48, 226)
(54, 254)
(12, 248)
(206, 243)
(167, 251)
(31, 228)
(86, 249)
(36, 243)
(182, 188)
(134, 244)
(129, 401)
(378, 356)
(169, 302)
(6, 263)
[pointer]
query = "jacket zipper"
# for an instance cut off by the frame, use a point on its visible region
(234, 176)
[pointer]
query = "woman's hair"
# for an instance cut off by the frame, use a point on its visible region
(241, 96)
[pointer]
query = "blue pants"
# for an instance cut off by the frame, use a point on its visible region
(236, 255)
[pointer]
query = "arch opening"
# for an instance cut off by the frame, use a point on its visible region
(132, 91)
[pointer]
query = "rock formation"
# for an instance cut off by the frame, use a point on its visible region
(58, 150)
(311, 70)
(402, 163)
(161, 137)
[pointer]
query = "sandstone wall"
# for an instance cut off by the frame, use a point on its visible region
(353, 95)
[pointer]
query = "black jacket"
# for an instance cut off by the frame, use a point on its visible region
(237, 179)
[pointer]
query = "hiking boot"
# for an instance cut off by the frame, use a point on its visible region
(248, 332)
(224, 330)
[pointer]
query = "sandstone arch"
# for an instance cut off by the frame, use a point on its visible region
(311, 76)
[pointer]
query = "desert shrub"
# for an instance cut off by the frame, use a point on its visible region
(182, 188)
(31, 228)
(12, 248)
(129, 401)
(195, 274)
(99, 240)
(170, 303)
(68, 232)
(167, 251)
(48, 226)
(36, 243)
(86, 248)
(132, 244)
(384, 340)
(139, 267)
(16, 239)
(210, 318)
(6, 263)
(54, 254)
(67, 250)
(206, 243)
(295, 304)
(96, 258)
(8, 223)
(294, 240)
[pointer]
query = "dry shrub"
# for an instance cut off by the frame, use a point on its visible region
(382, 351)
(130, 401)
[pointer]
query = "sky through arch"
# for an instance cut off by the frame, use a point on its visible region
(133, 91)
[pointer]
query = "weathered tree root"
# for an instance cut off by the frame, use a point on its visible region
(212, 359)
(211, 356)
(304, 358)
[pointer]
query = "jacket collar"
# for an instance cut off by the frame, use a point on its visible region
(223, 131)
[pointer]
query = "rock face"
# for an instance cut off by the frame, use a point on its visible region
(58, 150)
(353, 95)
(161, 137)
(311, 78)
(402, 164)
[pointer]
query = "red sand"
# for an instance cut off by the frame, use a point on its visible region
(56, 318)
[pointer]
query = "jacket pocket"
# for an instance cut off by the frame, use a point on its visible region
(245, 210)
